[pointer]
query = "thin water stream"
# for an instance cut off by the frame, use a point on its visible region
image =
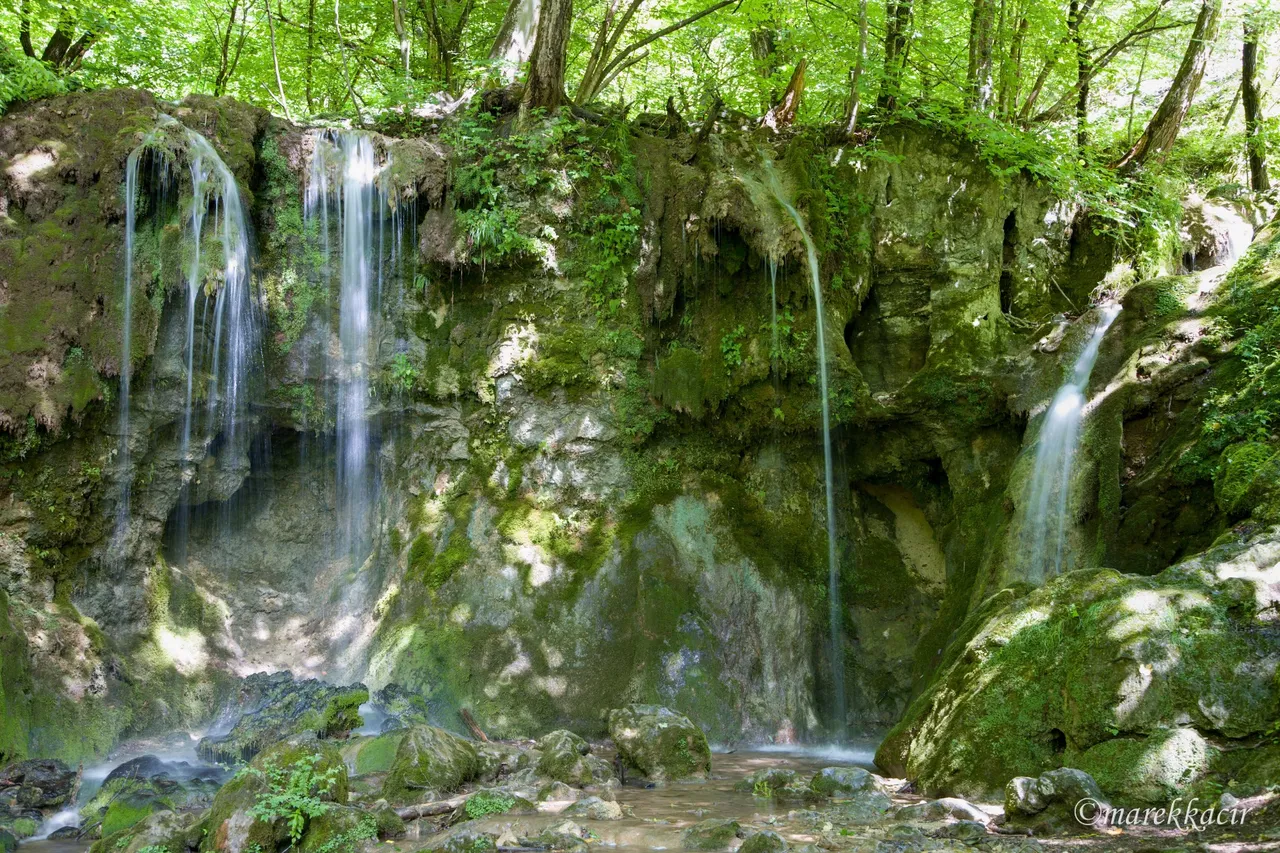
(835, 608)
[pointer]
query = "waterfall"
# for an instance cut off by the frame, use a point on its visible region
(226, 361)
(1045, 518)
(343, 174)
(126, 354)
(834, 612)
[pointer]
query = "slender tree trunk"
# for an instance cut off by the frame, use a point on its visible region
(1163, 128)
(1075, 22)
(855, 74)
(1256, 146)
(981, 45)
(1133, 97)
(307, 72)
(1011, 85)
(402, 35)
(342, 52)
(513, 44)
(545, 85)
(896, 43)
(275, 63)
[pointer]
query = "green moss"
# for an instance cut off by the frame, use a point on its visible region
(342, 714)
(484, 803)
(377, 755)
(127, 811)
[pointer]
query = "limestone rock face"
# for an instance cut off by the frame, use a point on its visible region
(661, 744)
(429, 760)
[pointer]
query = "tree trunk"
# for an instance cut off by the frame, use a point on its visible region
(1255, 145)
(783, 113)
(545, 85)
(1083, 72)
(513, 45)
(275, 62)
(402, 35)
(1011, 84)
(311, 54)
(897, 31)
(981, 45)
(855, 74)
(1163, 128)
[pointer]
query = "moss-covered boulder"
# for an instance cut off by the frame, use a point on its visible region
(594, 808)
(8, 841)
(378, 754)
(1096, 656)
(660, 743)
(491, 801)
(40, 783)
(713, 834)
(565, 757)
(1150, 769)
(763, 783)
(1050, 803)
(169, 831)
(843, 781)
(429, 760)
(341, 829)
(765, 841)
(312, 767)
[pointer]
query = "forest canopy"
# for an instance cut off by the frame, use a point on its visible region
(1050, 83)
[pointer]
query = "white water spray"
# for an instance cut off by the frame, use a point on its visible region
(1045, 519)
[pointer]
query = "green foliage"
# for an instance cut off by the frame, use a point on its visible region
(23, 78)
(294, 793)
(342, 714)
(731, 348)
(346, 842)
(483, 803)
(404, 373)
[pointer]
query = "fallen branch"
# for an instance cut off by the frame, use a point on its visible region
(428, 809)
(474, 726)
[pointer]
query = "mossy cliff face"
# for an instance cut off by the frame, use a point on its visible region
(595, 420)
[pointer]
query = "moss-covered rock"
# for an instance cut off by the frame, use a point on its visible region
(713, 834)
(565, 757)
(429, 760)
(341, 829)
(312, 769)
(1064, 670)
(842, 781)
(661, 744)
(378, 754)
(1152, 769)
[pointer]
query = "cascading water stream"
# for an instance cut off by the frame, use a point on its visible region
(1045, 522)
(227, 359)
(835, 616)
(343, 173)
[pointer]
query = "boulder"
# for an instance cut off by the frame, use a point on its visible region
(1052, 676)
(565, 757)
(713, 834)
(495, 761)
(563, 836)
(762, 783)
(842, 781)
(1151, 769)
(231, 826)
(466, 841)
(594, 808)
(946, 808)
(765, 841)
(40, 783)
(491, 801)
(660, 743)
(864, 807)
(166, 829)
(429, 760)
(1047, 804)
(339, 828)
(377, 755)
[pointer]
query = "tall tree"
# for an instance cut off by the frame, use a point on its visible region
(897, 16)
(979, 85)
(63, 52)
(544, 86)
(513, 44)
(1252, 98)
(855, 74)
(1163, 128)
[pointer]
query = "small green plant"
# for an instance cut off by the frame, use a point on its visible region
(346, 842)
(484, 803)
(295, 793)
(761, 789)
(731, 348)
(404, 373)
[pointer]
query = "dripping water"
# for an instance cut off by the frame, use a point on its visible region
(835, 617)
(1045, 520)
